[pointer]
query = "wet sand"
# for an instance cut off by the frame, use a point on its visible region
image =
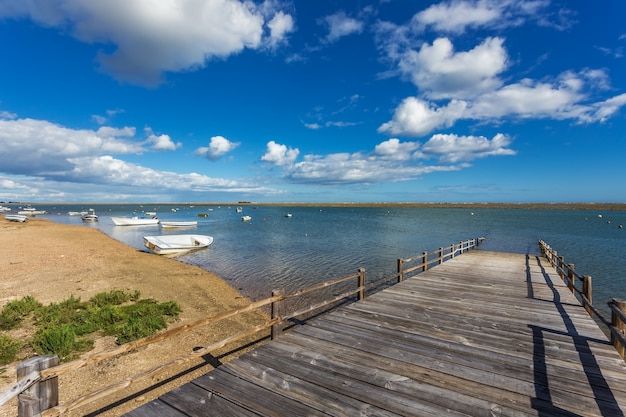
(52, 261)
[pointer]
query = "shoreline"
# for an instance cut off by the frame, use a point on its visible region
(609, 206)
(51, 261)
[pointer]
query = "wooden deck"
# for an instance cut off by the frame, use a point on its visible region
(484, 334)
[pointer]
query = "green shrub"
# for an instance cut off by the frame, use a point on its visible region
(60, 340)
(115, 297)
(9, 349)
(14, 312)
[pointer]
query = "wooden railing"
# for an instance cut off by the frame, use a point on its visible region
(617, 325)
(37, 386)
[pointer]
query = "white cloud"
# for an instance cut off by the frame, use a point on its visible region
(440, 72)
(280, 25)
(279, 155)
(38, 147)
(393, 160)
(218, 146)
(153, 36)
(415, 117)
(453, 148)
(457, 16)
(340, 25)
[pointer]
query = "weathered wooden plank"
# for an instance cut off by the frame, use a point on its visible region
(246, 394)
(155, 408)
(198, 402)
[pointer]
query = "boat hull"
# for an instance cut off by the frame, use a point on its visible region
(178, 224)
(176, 244)
(134, 221)
(16, 217)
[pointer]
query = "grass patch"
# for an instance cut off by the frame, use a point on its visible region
(68, 327)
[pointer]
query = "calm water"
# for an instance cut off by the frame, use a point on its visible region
(318, 244)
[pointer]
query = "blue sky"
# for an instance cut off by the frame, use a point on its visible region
(312, 101)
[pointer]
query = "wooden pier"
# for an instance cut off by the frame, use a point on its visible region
(483, 334)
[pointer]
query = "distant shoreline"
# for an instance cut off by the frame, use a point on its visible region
(530, 206)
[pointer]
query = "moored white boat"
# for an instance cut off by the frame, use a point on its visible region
(31, 211)
(90, 216)
(16, 217)
(135, 221)
(178, 224)
(176, 244)
(76, 213)
(246, 218)
(4, 209)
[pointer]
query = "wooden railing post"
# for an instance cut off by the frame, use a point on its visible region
(400, 269)
(618, 325)
(560, 265)
(452, 249)
(41, 395)
(361, 284)
(277, 308)
(424, 261)
(587, 292)
(440, 256)
(460, 247)
(570, 277)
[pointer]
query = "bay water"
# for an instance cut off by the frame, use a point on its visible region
(317, 244)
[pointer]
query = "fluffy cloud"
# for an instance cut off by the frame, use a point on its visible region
(415, 117)
(38, 147)
(218, 146)
(279, 155)
(153, 36)
(391, 160)
(340, 25)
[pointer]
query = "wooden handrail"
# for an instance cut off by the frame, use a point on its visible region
(276, 301)
(617, 325)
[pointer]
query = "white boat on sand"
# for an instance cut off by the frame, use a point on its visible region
(16, 217)
(176, 244)
(178, 224)
(135, 221)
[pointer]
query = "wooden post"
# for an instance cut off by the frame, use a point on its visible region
(440, 256)
(587, 292)
(570, 277)
(560, 265)
(41, 395)
(618, 324)
(277, 311)
(361, 283)
(452, 251)
(424, 261)
(461, 247)
(400, 269)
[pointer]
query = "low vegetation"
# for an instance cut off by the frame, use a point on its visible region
(69, 327)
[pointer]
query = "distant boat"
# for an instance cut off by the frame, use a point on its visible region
(31, 211)
(288, 215)
(16, 217)
(135, 221)
(203, 215)
(239, 210)
(150, 213)
(178, 224)
(4, 209)
(76, 213)
(246, 218)
(176, 244)
(90, 216)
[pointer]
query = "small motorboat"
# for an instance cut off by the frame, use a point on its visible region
(246, 218)
(176, 244)
(90, 216)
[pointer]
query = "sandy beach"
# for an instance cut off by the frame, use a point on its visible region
(51, 261)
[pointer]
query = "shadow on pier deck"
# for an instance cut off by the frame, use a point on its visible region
(484, 334)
